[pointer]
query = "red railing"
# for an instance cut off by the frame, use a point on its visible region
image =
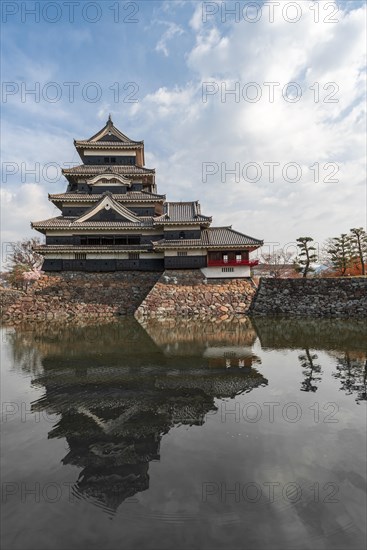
(222, 263)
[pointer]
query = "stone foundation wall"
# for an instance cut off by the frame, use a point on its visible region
(9, 296)
(339, 297)
(181, 293)
(188, 293)
(67, 295)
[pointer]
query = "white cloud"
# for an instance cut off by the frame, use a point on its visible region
(172, 30)
(25, 203)
(24, 194)
(306, 132)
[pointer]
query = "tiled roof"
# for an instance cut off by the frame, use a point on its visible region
(94, 169)
(63, 222)
(213, 237)
(182, 212)
(108, 144)
(218, 235)
(141, 196)
(108, 130)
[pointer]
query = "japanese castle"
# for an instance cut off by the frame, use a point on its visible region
(113, 219)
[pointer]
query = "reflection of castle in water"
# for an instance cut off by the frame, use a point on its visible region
(118, 389)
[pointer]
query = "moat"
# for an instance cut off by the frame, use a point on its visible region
(184, 434)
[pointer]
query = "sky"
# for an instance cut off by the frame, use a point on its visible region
(256, 109)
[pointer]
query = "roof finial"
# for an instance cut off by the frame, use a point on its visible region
(109, 121)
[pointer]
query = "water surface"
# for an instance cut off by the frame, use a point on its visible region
(182, 434)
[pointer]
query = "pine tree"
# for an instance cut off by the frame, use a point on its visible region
(340, 253)
(307, 256)
(359, 246)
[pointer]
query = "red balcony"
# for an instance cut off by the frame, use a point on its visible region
(230, 263)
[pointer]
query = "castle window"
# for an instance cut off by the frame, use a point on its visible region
(107, 160)
(227, 269)
(134, 255)
(133, 240)
(182, 253)
(182, 234)
(120, 241)
(94, 241)
(107, 240)
(80, 256)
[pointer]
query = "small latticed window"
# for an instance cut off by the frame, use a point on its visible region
(182, 253)
(134, 255)
(80, 256)
(227, 269)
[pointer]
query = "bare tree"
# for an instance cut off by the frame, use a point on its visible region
(23, 263)
(278, 263)
(22, 253)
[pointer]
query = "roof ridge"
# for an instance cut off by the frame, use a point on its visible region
(222, 227)
(111, 129)
(119, 208)
(113, 168)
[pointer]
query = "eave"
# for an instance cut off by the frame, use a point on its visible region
(182, 244)
(66, 249)
(201, 223)
(108, 145)
(85, 198)
(131, 171)
(63, 223)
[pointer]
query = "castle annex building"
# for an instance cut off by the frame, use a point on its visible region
(113, 219)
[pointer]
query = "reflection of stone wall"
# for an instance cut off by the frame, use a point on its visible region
(178, 331)
(319, 334)
(186, 293)
(339, 297)
(78, 342)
